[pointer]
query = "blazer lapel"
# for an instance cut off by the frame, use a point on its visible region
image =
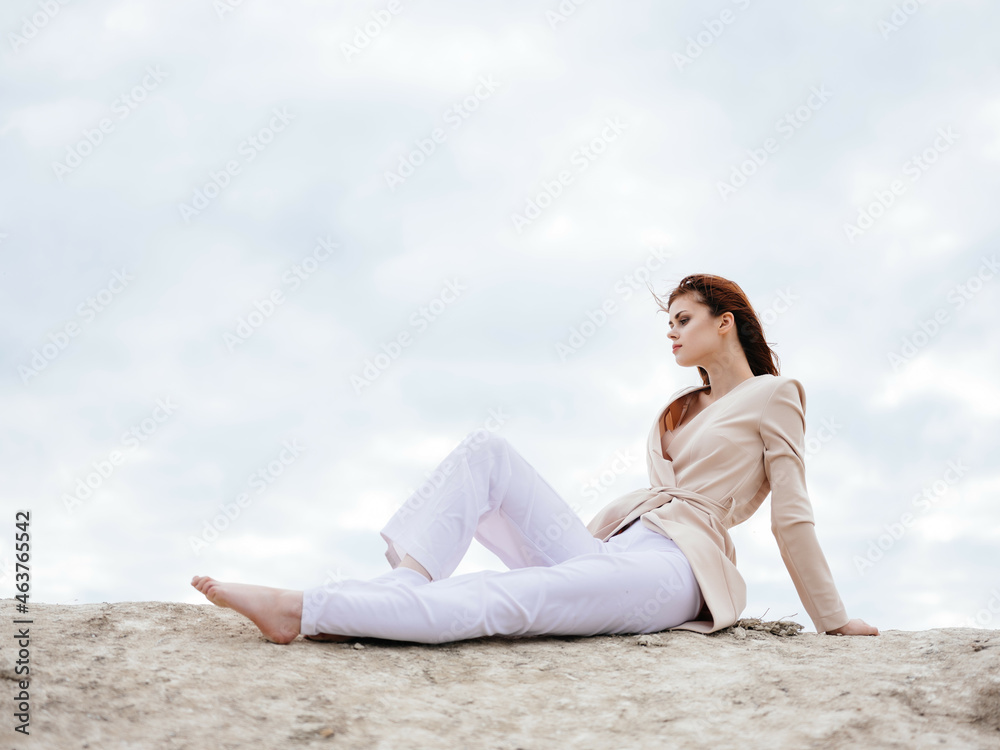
(673, 409)
(669, 415)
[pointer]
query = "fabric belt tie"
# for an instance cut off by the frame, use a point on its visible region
(704, 503)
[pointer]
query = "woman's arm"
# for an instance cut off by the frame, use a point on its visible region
(782, 428)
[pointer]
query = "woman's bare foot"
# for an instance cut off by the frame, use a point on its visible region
(277, 612)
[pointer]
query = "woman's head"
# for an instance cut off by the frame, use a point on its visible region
(717, 324)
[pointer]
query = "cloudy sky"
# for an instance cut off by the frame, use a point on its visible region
(283, 257)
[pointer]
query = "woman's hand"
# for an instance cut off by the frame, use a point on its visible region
(854, 627)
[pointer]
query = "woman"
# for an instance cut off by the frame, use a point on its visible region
(715, 452)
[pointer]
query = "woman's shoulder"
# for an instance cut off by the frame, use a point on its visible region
(766, 385)
(765, 388)
(781, 380)
(681, 391)
(785, 391)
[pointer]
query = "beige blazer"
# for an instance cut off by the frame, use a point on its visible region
(719, 468)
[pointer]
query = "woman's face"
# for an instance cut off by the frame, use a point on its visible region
(694, 329)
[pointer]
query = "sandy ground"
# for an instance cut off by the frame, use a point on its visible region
(165, 675)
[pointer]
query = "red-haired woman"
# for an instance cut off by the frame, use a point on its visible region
(657, 558)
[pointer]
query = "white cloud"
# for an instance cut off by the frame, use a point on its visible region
(656, 185)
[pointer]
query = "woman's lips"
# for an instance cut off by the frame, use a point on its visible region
(676, 347)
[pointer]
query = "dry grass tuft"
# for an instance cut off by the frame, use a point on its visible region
(774, 627)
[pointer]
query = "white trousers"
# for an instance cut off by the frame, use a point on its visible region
(562, 580)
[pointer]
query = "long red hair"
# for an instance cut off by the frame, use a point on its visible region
(722, 295)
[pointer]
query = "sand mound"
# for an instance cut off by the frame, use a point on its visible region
(163, 675)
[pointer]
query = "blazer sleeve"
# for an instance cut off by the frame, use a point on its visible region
(782, 428)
